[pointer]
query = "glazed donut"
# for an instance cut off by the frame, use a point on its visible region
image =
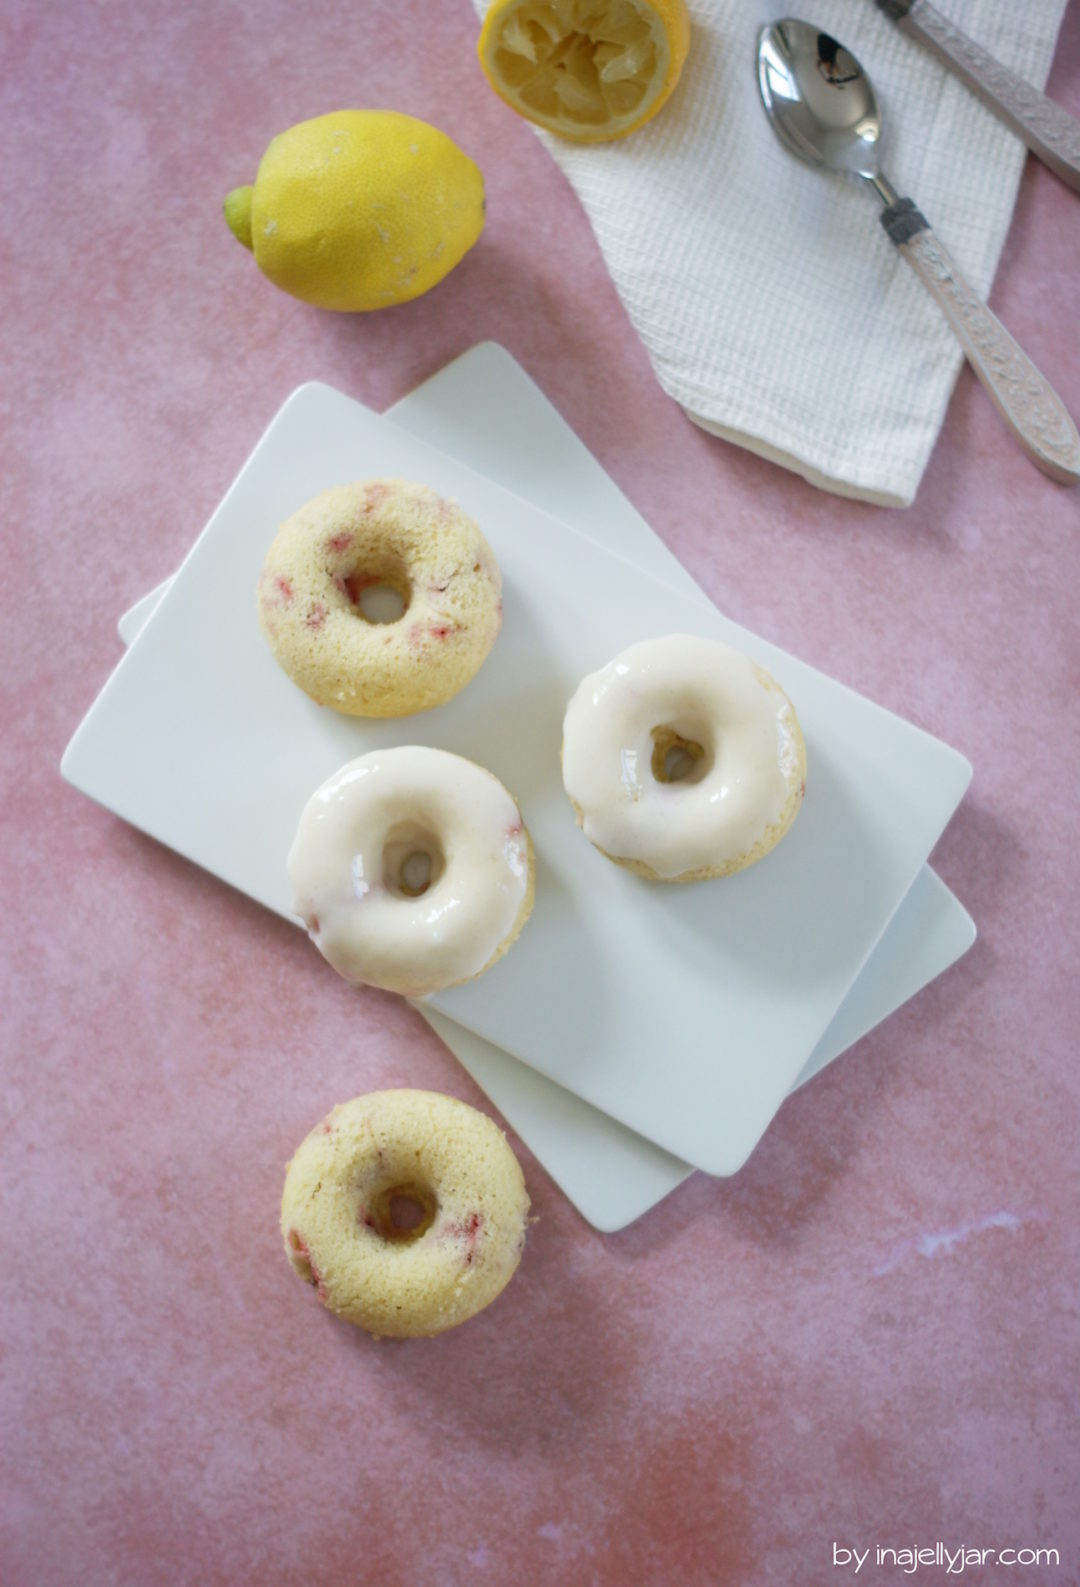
(406, 1210)
(404, 538)
(683, 759)
(412, 870)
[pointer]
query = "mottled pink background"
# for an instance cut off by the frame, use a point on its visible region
(870, 1335)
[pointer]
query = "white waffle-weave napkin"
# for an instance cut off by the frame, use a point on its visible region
(774, 308)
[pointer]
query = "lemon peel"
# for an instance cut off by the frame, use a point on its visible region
(237, 208)
(359, 209)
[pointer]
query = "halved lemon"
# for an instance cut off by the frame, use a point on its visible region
(586, 69)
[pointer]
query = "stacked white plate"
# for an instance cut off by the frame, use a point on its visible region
(636, 1031)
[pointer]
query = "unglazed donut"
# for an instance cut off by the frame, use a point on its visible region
(390, 533)
(683, 759)
(412, 869)
(406, 1210)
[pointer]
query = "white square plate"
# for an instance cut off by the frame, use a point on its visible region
(485, 409)
(185, 741)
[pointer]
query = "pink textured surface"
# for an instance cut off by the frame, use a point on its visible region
(870, 1336)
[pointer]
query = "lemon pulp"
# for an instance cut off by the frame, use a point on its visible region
(587, 69)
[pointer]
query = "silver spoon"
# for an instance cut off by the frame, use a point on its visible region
(823, 108)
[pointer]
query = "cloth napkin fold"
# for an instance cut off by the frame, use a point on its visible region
(772, 305)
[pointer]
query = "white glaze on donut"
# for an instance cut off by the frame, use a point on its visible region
(705, 692)
(352, 852)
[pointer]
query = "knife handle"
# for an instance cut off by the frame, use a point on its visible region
(1049, 132)
(1025, 399)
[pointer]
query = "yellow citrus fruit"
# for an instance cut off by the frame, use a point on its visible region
(587, 69)
(359, 209)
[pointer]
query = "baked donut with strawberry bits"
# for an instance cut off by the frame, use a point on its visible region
(406, 1211)
(389, 541)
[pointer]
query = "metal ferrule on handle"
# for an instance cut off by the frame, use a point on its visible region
(902, 220)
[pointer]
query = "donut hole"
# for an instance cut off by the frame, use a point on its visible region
(412, 860)
(401, 1212)
(406, 1213)
(678, 758)
(378, 592)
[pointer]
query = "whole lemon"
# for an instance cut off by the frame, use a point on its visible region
(359, 209)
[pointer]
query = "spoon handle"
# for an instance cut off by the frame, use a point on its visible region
(1048, 130)
(1025, 399)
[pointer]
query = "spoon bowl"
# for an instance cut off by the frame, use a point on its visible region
(820, 101)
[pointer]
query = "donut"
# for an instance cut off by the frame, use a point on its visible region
(683, 759)
(406, 1211)
(412, 869)
(415, 549)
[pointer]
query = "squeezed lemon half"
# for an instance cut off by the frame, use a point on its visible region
(587, 69)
